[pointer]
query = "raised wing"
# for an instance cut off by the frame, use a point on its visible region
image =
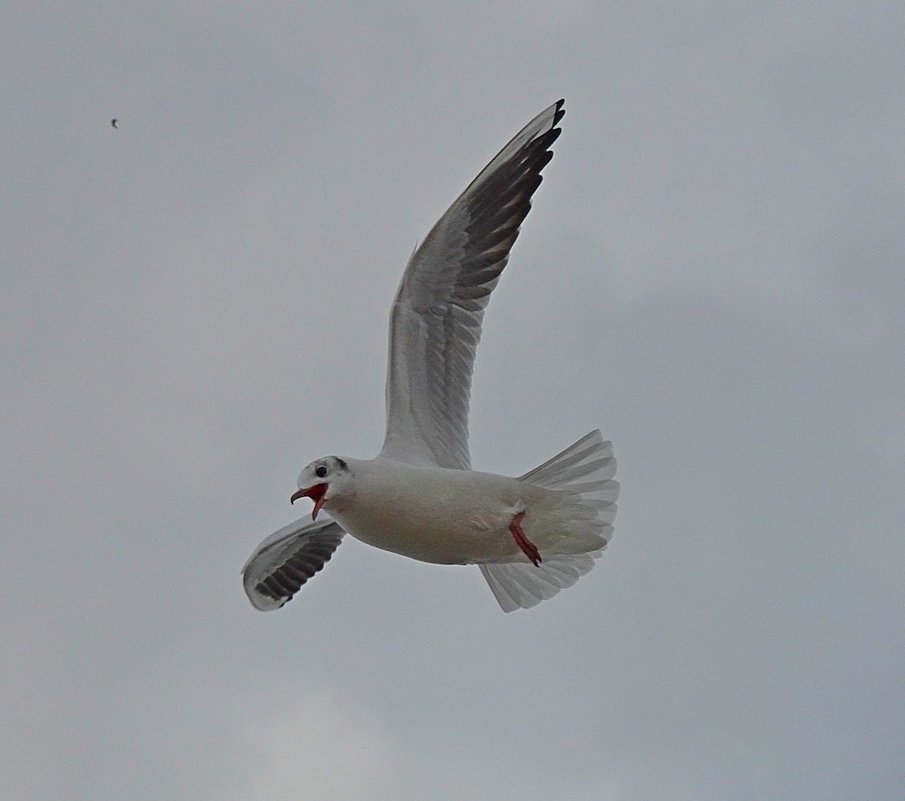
(283, 562)
(435, 321)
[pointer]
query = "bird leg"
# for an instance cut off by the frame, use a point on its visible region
(528, 547)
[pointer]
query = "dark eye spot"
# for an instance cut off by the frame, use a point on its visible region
(320, 471)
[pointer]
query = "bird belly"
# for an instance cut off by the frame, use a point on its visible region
(432, 537)
(451, 519)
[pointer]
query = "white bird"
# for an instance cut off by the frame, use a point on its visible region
(531, 536)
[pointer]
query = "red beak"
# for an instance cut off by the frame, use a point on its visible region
(316, 493)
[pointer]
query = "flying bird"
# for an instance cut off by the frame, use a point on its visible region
(113, 122)
(530, 535)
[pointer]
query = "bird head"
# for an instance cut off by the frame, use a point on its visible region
(324, 481)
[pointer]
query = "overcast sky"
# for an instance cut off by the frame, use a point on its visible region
(194, 306)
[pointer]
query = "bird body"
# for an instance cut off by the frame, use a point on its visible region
(532, 535)
(448, 516)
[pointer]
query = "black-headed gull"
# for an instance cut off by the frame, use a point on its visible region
(530, 536)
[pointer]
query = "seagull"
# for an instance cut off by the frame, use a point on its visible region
(113, 122)
(532, 535)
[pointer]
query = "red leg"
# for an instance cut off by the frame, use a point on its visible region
(518, 534)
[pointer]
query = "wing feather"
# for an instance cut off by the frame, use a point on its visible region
(284, 561)
(435, 321)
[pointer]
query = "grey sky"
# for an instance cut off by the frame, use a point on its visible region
(194, 306)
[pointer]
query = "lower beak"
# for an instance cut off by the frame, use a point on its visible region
(316, 493)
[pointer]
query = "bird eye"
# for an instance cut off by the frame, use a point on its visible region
(320, 471)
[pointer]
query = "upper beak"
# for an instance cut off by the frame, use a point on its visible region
(316, 493)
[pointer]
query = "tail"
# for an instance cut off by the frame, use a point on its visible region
(583, 524)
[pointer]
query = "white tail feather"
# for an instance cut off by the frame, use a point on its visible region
(583, 473)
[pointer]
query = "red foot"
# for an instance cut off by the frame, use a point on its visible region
(528, 547)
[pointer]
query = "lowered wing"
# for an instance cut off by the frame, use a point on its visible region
(284, 561)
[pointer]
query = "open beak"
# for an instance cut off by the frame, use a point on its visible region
(316, 493)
